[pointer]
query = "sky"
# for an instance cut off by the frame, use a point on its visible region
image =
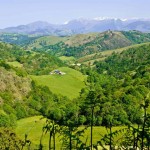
(17, 12)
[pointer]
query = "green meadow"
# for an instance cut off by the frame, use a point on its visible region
(68, 85)
(32, 127)
(15, 64)
(65, 58)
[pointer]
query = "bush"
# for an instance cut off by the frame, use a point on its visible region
(4, 120)
(9, 140)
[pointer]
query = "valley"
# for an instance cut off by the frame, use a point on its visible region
(90, 89)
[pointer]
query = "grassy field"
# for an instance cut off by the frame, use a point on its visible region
(46, 40)
(15, 64)
(32, 126)
(68, 85)
(65, 58)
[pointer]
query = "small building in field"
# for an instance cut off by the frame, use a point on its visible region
(57, 72)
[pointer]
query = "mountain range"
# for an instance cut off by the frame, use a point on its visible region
(80, 26)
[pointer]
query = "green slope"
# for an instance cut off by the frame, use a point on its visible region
(133, 58)
(104, 54)
(15, 64)
(31, 62)
(46, 40)
(68, 85)
(32, 126)
(85, 44)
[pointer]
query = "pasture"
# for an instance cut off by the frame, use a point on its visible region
(68, 85)
(32, 126)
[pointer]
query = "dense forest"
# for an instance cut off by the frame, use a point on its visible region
(117, 93)
(18, 39)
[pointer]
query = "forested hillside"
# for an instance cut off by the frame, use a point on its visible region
(13, 91)
(135, 58)
(119, 93)
(31, 62)
(20, 96)
(18, 39)
(84, 44)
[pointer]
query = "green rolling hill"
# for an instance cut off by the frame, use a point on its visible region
(100, 56)
(84, 44)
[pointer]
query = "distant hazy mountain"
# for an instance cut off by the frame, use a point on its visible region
(38, 27)
(80, 26)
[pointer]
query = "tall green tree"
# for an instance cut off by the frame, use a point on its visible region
(113, 115)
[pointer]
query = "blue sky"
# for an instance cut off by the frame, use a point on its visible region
(16, 12)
